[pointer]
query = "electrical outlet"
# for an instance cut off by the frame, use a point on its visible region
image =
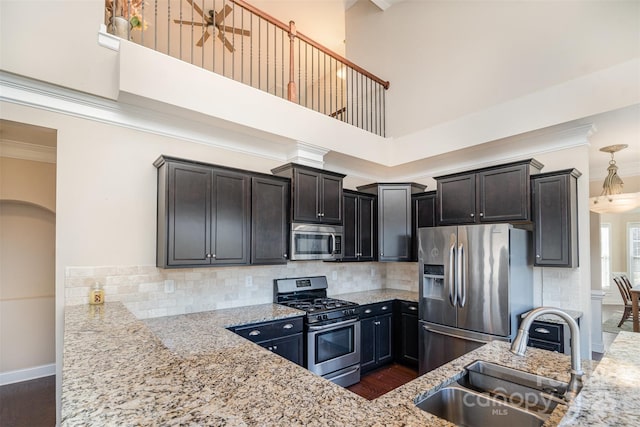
(169, 286)
(248, 280)
(334, 275)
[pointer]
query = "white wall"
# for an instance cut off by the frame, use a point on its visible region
(461, 57)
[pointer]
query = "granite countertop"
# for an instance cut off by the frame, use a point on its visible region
(551, 318)
(380, 295)
(190, 370)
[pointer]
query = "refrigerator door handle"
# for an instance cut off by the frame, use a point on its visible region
(453, 294)
(436, 331)
(462, 278)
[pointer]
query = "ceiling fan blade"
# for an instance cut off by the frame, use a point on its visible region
(197, 24)
(196, 8)
(203, 39)
(226, 42)
(234, 30)
(221, 15)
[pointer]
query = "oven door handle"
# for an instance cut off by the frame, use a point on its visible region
(333, 325)
(330, 378)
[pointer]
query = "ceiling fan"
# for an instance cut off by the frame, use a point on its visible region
(214, 19)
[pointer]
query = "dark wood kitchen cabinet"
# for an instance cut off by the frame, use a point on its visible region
(359, 226)
(406, 333)
(283, 337)
(495, 194)
(316, 194)
(269, 220)
(423, 214)
(203, 215)
(376, 335)
(394, 219)
(555, 218)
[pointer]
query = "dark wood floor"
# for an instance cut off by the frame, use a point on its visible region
(29, 403)
(376, 383)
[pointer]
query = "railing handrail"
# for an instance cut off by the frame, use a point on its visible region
(310, 41)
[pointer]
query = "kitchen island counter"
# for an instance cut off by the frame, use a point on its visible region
(189, 369)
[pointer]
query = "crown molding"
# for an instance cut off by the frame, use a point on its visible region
(36, 94)
(26, 151)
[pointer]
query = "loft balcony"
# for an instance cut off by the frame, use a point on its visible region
(233, 39)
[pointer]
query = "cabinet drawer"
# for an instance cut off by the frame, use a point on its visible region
(269, 330)
(376, 309)
(409, 307)
(546, 345)
(546, 332)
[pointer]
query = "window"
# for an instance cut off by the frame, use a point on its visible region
(605, 254)
(633, 264)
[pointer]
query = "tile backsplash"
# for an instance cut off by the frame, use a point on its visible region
(149, 291)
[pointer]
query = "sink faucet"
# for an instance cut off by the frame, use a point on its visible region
(519, 345)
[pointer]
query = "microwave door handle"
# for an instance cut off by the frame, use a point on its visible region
(333, 243)
(453, 295)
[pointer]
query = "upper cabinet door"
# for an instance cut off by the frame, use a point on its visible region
(317, 194)
(231, 214)
(457, 200)
(331, 202)
(494, 194)
(306, 197)
(269, 221)
(394, 218)
(555, 215)
(188, 233)
(350, 235)
(367, 228)
(503, 194)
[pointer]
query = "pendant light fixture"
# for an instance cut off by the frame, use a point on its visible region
(612, 199)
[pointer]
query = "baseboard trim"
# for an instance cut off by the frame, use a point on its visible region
(27, 374)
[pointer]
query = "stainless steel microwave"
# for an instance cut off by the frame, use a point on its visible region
(316, 241)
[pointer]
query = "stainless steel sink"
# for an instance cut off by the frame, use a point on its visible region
(492, 394)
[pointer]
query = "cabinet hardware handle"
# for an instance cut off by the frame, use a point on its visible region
(367, 311)
(284, 256)
(275, 347)
(376, 323)
(481, 214)
(270, 348)
(473, 215)
(208, 255)
(537, 256)
(288, 326)
(542, 330)
(384, 307)
(413, 307)
(254, 333)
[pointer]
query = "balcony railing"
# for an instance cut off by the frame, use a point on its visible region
(234, 39)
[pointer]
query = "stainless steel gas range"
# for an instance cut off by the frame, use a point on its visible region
(332, 328)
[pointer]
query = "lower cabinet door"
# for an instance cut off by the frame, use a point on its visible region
(289, 347)
(384, 332)
(367, 344)
(408, 347)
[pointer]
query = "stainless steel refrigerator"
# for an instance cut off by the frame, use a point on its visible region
(474, 282)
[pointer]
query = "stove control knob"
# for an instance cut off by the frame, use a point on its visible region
(325, 316)
(319, 317)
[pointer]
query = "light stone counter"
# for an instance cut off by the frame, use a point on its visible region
(380, 295)
(189, 370)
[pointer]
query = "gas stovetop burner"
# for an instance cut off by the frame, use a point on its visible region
(319, 304)
(310, 294)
